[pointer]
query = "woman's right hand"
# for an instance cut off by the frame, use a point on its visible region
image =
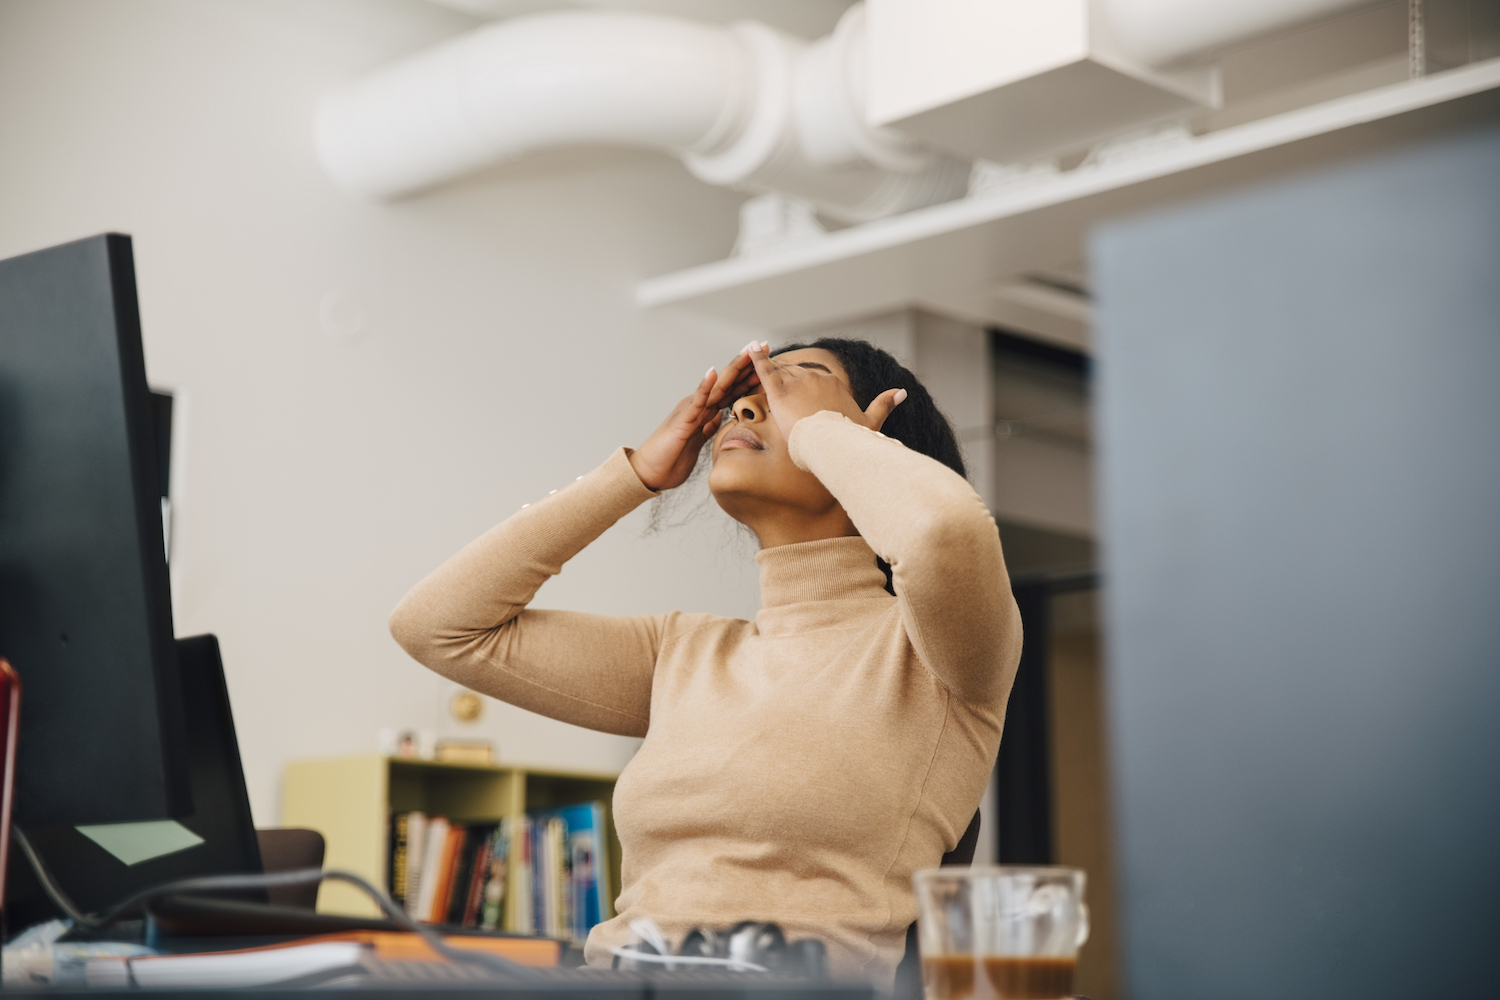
(669, 454)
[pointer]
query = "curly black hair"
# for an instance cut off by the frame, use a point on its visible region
(917, 422)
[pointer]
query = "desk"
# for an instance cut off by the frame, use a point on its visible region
(551, 984)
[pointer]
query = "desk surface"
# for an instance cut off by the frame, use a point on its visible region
(402, 980)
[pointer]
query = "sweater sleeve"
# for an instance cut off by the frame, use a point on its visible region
(468, 620)
(943, 546)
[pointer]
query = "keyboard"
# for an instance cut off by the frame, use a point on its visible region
(588, 984)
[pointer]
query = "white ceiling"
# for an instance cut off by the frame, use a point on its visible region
(806, 18)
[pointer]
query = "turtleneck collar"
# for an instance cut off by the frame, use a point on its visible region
(830, 569)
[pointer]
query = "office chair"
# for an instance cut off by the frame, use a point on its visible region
(286, 849)
(908, 984)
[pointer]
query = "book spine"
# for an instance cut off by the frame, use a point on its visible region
(451, 847)
(538, 883)
(585, 885)
(416, 853)
(564, 876)
(528, 898)
(473, 896)
(478, 876)
(579, 862)
(432, 864)
(495, 885)
(537, 836)
(395, 858)
(546, 881)
(517, 892)
(463, 867)
(471, 880)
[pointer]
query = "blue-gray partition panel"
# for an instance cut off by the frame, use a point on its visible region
(1299, 420)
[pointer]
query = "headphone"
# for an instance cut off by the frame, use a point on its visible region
(749, 946)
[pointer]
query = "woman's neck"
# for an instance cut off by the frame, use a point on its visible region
(776, 524)
(776, 534)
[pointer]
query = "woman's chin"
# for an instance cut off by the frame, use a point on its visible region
(722, 480)
(733, 488)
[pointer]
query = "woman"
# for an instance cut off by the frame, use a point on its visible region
(798, 767)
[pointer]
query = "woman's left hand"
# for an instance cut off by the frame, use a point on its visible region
(667, 457)
(793, 392)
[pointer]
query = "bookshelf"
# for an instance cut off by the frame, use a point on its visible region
(350, 800)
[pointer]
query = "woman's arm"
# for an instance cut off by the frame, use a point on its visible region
(943, 546)
(468, 620)
(919, 516)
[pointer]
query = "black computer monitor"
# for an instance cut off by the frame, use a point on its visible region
(85, 615)
(217, 838)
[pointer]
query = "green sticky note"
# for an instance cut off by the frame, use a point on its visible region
(133, 843)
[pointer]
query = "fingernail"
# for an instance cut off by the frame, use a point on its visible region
(900, 396)
(748, 348)
(710, 373)
(765, 345)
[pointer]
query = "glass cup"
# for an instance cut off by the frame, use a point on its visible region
(1005, 933)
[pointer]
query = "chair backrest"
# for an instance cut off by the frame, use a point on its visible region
(963, 851)
(908, 984)
(288, 849)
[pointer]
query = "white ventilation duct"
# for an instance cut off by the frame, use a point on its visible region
(1163, 31)
(749, 107)
(744, 106)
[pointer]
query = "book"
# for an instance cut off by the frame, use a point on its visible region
(416, 852)
(453, 843)
(252, 967)
(476, 836)
(543, 876)
(493, 910)
(478, 875)
(465, 752)
(577, 865)
(551, 832)
(397, 946)
(429, 875)
(546, 874)
(588, 879)
(562, 874)
(457, 884)
(469, 917)
(395, 880)
(281, 963)
(520, 874)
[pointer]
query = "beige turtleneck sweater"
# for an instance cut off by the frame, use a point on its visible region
(795, 768)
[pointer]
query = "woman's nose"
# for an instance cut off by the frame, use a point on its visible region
(749, 409)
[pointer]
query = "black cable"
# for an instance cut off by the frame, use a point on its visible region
(54, 891)
(223, 883)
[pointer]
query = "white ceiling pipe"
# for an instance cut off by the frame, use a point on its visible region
(807, 135)
(832, 127)
(531, 83)
(744, 106)
(1163, 31)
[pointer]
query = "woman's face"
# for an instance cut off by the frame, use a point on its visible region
(753, 477)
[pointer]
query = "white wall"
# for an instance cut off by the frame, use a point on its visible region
(484, 347)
